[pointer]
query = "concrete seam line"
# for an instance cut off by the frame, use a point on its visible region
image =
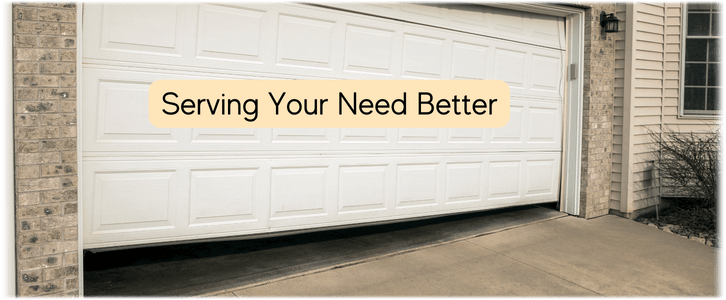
(531, 266)
(374, 258)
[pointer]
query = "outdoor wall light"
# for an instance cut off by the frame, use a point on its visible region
(609, 22)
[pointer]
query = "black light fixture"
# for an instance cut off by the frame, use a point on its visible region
(609, 22)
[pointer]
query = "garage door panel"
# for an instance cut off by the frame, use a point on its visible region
(510, 67)
(336, 45)
(131, 198)
(141, 201)
(541, 177)
(511, 133)
(121, 124)
(504, 179)
(416, 185)
(362, 188)
(143, 184)
(299, 192)
(464, 182)
(548, 73)
(543, 124)
(490, 21)
(305, 42)
(422, 56)
(197, 198)
(369, 50)
(547, 30)
(165, 38)
(223, 196)
(123, 114)
(469, 61)
(213, 43)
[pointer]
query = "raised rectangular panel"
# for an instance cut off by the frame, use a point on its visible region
(123, 114)
(298, 192)
(431, 10)
(545, 73)
(463, 182)
(473, 14)
(222, 196)
(418, 135)
(512, 132)
(229, 33)
(543, 124)
(510, 21)
(225, 135)
(361, 188)
(469, 61)
(503, 179)
(293, 135)
(540, 177)
(509, 67)
(364, 135)
(422, 56)
(416, 185)
(304, 42)
(153, 29)
(466, 135)
(547, 29)
(368, 50)
(133, 200)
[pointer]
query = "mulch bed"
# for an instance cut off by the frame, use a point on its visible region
(693, 221)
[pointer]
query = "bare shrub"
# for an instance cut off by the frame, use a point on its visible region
(689, 163)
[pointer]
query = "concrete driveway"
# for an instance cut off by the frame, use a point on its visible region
(565, 256)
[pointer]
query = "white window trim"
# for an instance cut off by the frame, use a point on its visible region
(8, 170)
(705, 114)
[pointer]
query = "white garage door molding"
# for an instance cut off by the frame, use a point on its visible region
(139, 184)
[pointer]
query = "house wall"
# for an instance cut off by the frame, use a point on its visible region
(646, 100)
(649, 53)
(44, 69)
(618, 94)
(597, 133)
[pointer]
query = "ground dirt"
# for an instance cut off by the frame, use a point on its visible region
(686, 218)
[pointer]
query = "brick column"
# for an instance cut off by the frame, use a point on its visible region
(44, 67)
(597, 131)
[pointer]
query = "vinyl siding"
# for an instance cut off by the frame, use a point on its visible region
(650, 92)
(617, 152)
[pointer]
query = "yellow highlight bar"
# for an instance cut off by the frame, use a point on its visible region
(329, 103)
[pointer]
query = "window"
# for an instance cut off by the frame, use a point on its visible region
(701, 82)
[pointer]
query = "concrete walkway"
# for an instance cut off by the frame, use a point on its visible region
(193, 269)
(559, 257)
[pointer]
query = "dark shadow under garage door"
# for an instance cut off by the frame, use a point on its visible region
(200, 268)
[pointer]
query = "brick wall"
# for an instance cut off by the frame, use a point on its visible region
(44, 67)
(597, 111)
(597, 131)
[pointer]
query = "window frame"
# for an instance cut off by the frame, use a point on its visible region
(699, 114)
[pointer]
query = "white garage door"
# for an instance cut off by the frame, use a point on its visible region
(142, 184)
